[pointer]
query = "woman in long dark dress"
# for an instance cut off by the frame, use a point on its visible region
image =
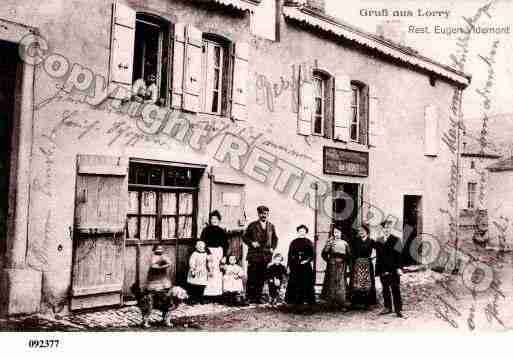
(300, 288)
(216, 242)
(362, 281)
(336, 255)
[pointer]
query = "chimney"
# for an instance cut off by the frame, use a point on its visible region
(318, 5)
(392, 30)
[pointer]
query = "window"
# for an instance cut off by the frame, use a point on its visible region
(472, 164)
(214, 75)
(354, 129)
(319, 105)
(162, 202)
(472, 192)
(151, 53)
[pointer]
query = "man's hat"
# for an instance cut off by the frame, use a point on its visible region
(261, 209)
(158, 249)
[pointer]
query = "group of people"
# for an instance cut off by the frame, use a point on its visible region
(349, 280)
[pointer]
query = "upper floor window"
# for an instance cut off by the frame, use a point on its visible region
(214, 75)
(472, 164)
(356, 114)
(154, 61)
(471, 195)
(319, 105)
(150, 62)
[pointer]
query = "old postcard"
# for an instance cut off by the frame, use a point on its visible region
(255, 165)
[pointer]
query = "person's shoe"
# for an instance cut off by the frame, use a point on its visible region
(385, 311)
(399, 315)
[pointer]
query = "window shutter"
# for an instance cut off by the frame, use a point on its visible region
(364, 114)
(227, 83)
(240, 81)
(101, 202)
(342, 117)
(328, 118)
(306, 95)
(207, 77)
(122, 49)
(374, 117)
(431, 142)
(178, 65)
(192, 69)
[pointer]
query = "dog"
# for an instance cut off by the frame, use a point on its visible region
(166, 301)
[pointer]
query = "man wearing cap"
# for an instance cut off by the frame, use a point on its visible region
(388, 268)
(261, 239)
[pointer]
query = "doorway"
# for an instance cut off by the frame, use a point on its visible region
(8, 78)
(345, 206)
(412, 226)
(230, 200)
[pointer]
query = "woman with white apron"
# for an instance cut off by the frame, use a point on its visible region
(216, 241)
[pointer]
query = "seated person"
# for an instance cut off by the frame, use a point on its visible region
(145, 91)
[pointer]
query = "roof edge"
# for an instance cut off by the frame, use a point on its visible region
(404, 54)
(242, 5)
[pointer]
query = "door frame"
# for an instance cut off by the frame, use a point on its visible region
(356, 215)
(407, 241)
(21, 150)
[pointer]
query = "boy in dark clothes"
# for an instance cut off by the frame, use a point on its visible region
(276, 273)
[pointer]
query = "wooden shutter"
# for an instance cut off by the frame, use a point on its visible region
(122, 49)
(98, 241)
(375, 117)
(306, 96)
(240, 81)
(364, 114)
(207, 77)
(342, 116)
(178, 65)
(329, 108)
(227, 83)
(431, 143)
(192, 69)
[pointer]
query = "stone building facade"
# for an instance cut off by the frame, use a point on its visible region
(316, 109)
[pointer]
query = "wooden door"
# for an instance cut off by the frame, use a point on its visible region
(229, 199)
(98, 240)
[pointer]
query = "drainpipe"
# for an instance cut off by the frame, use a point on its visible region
(316, 214)
(458, 155)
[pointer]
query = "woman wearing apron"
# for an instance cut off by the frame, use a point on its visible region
(216, 241)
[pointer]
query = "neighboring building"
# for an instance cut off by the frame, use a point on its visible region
(474, 186)
(93, 185)
(500, 202)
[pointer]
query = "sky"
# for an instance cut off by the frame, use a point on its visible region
(441, 46)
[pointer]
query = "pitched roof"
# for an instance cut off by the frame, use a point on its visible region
(502, 165)
(473, 147)
(406, 55)
(237, 4)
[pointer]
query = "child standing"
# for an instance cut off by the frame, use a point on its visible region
(198, 273)
(232, 282)
(276, 273)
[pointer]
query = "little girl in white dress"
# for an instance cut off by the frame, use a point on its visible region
(232, 281)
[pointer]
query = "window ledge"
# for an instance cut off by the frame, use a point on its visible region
(352, 146)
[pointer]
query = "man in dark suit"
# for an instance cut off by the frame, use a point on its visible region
(261, 239)
(388, 268)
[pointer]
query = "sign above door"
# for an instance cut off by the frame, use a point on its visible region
(337, 161)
